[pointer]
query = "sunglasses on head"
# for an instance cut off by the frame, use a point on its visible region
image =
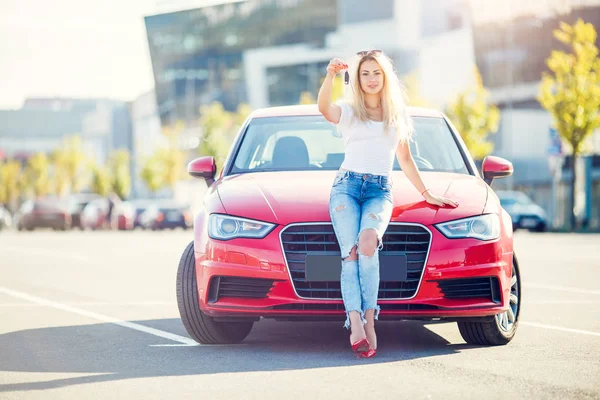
(374, 52)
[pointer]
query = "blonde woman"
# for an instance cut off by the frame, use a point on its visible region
(375, 126)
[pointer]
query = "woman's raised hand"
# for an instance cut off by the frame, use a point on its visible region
(335, 66)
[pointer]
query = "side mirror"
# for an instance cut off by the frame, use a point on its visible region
(203, 167)
(496, 167)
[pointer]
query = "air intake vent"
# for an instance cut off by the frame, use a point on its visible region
(229, 286)
(471, 288)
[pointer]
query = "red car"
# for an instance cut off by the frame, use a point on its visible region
(46, 212)
(264, 245)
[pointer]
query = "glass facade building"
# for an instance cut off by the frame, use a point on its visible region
(197, 55)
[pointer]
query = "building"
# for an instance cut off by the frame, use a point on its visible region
(147, 137)
(512, 43)
(267, 52)
(41, 124)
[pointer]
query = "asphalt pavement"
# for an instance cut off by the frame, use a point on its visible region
(93, 315)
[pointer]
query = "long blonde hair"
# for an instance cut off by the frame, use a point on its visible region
(393, 97)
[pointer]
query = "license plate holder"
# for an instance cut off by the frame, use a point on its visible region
(172, 216)
(325, 267)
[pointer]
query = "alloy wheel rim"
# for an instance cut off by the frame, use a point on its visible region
(507, 319)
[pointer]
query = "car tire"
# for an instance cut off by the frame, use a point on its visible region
(201, 327)
(490, 332)
(541, 227)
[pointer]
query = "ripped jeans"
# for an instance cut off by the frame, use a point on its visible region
(358, 202)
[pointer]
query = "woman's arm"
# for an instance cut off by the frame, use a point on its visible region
(412, 173)
(330, 111)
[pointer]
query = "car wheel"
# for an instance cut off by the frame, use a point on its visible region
(502, 328)
(201, 327)
(541, 227)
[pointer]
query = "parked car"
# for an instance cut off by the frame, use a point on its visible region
(125, 214)
(48, 212)
(141, 220)
(95, 213)
(265, 230)
(524, 212)
(140, 205)
(166, 214)
(78, 203)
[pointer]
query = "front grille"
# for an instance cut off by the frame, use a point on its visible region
(298, 241)
(230, 286)
(471, 288)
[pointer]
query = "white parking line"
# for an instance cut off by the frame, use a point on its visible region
(97, 304)
(546, 302)
(561, 288)
(99, 317)
(559, 328)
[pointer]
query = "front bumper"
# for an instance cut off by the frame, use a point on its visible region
(273, 295)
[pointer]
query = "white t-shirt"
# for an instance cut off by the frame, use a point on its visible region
(369, 150)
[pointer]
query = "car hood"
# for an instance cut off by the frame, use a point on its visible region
(288, 197)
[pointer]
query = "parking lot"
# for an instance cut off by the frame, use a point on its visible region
(93, 315)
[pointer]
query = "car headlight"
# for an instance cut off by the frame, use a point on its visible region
(224, 227)
(482, 227)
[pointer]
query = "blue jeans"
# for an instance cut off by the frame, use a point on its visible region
(358, 202)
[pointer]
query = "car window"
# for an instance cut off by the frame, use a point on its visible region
(26, 207)
(512, 199)
(507, 202)
(312, 143)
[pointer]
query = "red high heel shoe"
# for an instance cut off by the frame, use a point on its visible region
(369, 353)
(360, 346)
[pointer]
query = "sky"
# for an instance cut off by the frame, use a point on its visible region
(73, 48)
(98, 48)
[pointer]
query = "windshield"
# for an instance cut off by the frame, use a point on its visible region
(312, 143)
(512, 199)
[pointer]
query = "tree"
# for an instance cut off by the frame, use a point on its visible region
(219, 127)
(307, 98)
(474, 118)
(152, 174)
(36, 175)
(571, 93)
(166, 165)
(171, 159)
(69, 161)
(101, 182)
(59, 179)
(337, 91)
(242, 112)
(172, 162)
(120, 175)
(10, 184)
